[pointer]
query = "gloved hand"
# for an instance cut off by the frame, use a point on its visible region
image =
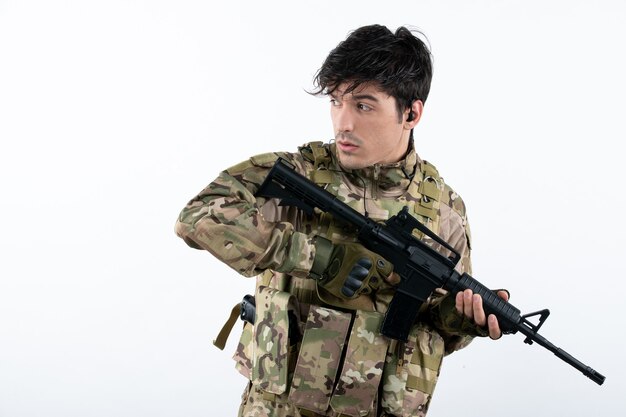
(348, 270)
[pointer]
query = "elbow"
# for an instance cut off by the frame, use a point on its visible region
(185, 232)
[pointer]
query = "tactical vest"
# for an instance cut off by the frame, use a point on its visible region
(332, 365)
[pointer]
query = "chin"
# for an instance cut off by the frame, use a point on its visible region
(351, 162)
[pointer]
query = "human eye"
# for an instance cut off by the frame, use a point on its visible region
(364, 107)
(334, 102)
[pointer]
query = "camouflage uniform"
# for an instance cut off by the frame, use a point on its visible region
(339, 364)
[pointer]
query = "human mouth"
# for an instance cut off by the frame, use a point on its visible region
(345, 146)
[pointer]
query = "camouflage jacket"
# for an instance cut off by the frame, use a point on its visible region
(256, 236)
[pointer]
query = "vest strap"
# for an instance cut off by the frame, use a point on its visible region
(321, 156)
(317, 153)
(430, 188)
(220, 340)
(322, 177)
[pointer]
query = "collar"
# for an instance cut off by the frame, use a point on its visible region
(397, 175)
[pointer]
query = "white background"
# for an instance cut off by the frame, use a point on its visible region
(114, 113)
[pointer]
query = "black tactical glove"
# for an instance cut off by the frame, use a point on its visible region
(348, 270)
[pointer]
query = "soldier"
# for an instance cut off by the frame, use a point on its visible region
(313, 351)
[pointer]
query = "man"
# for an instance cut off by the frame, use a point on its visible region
(315, 348)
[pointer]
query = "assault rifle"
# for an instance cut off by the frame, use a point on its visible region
(421, 268)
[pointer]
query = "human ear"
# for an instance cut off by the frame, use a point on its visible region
(414, 114)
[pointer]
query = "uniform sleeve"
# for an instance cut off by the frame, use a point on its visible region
(226, 219)
(456, 329)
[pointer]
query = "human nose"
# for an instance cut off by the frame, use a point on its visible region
(343, 119)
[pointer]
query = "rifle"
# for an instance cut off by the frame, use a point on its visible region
(421, 268)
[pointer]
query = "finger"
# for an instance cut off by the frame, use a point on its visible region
(479, 312)
(393, 278)
(467, 304)
(459, 302)
(504, 295)
(494, 328)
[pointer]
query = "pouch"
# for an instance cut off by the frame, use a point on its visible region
(362, 370)
(243, 353)
(319, 358)
(411, 373)
(270, 352)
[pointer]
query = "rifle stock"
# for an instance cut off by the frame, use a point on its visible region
(421, 268)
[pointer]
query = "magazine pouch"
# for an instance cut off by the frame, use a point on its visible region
(270, 355)
(357, 385)
(319, 359)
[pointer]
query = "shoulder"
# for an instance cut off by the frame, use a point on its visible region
(255, 168)
(453, 223)
(316, 153)
(449, 196)
(306, 155)
(264, 160)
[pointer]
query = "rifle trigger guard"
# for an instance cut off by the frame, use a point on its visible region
(543, 315)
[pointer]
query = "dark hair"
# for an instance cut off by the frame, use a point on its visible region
(399, 63)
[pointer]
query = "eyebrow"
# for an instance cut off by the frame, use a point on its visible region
(365, 97)
(356, 96)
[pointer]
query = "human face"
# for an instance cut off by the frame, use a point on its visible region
(367, 127)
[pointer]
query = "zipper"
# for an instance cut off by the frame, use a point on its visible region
(375, 182)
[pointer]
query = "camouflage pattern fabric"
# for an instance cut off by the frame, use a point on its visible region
(411, 375)
(363, 367)
(318, 364)
(271, 339)
(256, 403)
(228, 221)
(243, 353)
(257, 236)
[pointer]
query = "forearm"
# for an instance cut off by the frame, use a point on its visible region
(225, 219)
(457, 329)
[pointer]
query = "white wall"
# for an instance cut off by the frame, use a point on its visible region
(114, 113)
